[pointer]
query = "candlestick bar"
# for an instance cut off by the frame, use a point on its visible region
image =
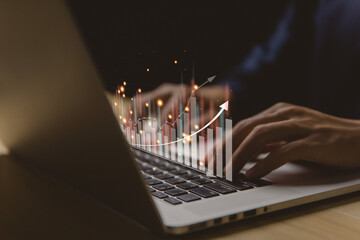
(194, 155)
(173, 145)
(202, 153)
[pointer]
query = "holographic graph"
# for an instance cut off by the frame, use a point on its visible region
(182, 135)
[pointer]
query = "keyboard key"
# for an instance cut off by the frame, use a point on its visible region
(173, 201)
(163, 176)
(151, 189)
(203, 192)
(146, 176)
(152, 181)
(190, 176)
(163, 186)
(187, 185)
(243, 187)
(160, 195)
(221, 188)
(202, 180)
(175, 192)
(175, 180)
(260, 183)
(168, 167)
(153, 171)
(188, 197)
(178, 172)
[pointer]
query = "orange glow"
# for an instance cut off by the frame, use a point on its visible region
(131, 99)
(196, 126)
(132, 136)
(115, 103)
(122, 89)
(139, 90)
(170, 116)
(141, 131)
(187, 109)
(124, 83)
(123, 95)
(196, 87)
(160, 103)
(148, 69)
(146, 104)
(201, 164)
(158, 141)
(175, 61)
(131, 112)
(120, 117)
(118, 91)
(124, 120)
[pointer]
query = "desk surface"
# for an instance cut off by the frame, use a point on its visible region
(33, 206)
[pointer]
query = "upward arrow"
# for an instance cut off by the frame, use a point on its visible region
(223, 107)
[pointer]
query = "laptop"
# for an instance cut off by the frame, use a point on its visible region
(56, 117)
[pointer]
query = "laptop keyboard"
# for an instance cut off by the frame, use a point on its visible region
(176, 184)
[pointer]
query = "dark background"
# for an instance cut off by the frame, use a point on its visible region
(127, 37)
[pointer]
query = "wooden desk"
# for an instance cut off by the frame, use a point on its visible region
(34, 206)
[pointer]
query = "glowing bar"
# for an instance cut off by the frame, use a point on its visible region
(202, 153)
(210, 145)
(173, 145)
(194, 157)
(219, 159)
(186, 142)
(148, 142)
(166, 147)
(228, 150)
(137, 139)
(159, 141)
(179, 151)
(153, 137)
(128, 134)
(193, 113)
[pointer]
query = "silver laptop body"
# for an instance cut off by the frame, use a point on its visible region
(55, 116)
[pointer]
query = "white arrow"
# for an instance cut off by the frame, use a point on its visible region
(223, 107)
(210, 79)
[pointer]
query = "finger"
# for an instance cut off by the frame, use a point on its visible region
(262, 135)
(287, 153)
(272, 147)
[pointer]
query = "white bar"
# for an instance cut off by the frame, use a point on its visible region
(128, 134)
(186, 144)
(137, 139)
(160, 150)
(166, 147)
(219, 159)
(194, 155)
(202, 153)
(228, 149)
(179, 151)
(148, 141)
(173, 145)
(193, 113)
(210, 146)
(153, 139)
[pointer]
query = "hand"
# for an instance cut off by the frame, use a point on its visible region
(291, 132)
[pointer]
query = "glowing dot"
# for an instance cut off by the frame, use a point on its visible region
(132, 99)
(170, 116)
(160, 103)
(158, 141)
(189, 139)
(124, 120)
(124, 83)
(123, 95)
(196, 87)
(131, 112)
(115, 103)
(184, 134)
(175, 61)
(187, 109)
(132, 136)
(120, 117)
(184, 141)
(139, 90)
(149, 123)
(141, 131)
(201, 164)
(118, 91)
(122, 89)
(148, 69)
(146, 104)
(196, 126)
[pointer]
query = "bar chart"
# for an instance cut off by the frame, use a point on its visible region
(182, 136)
